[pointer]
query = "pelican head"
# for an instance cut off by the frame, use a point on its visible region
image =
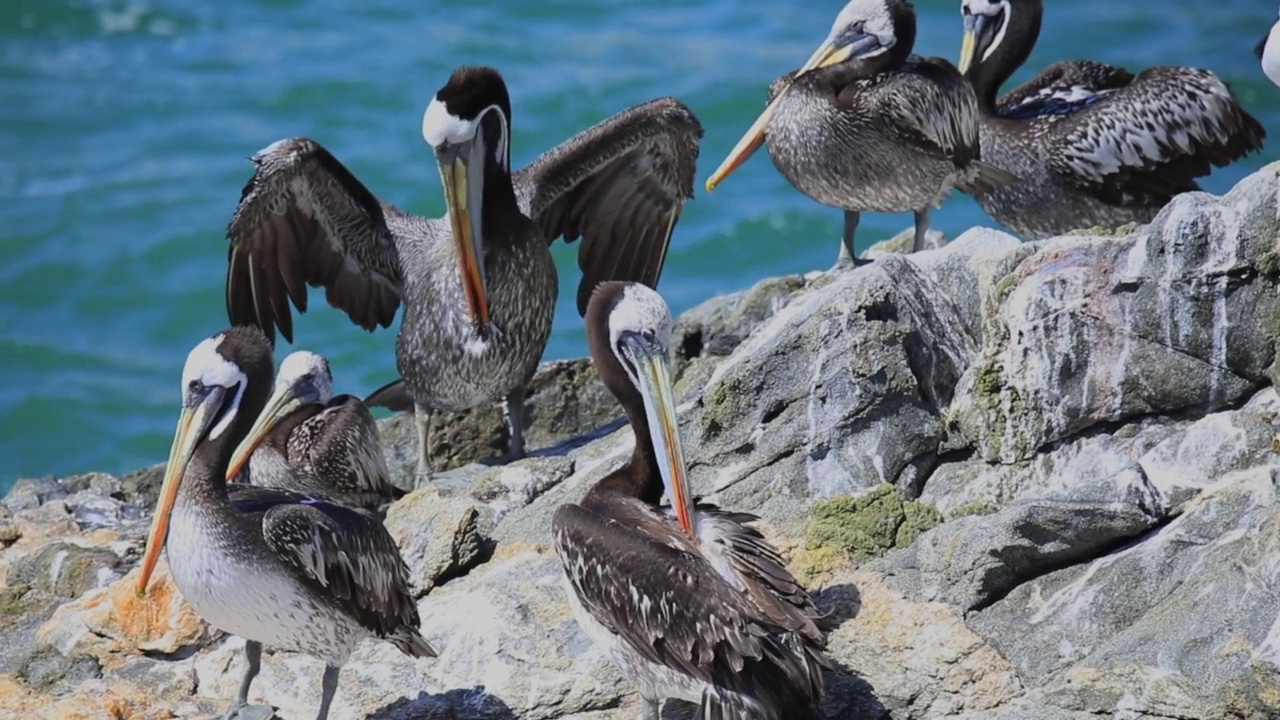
(219, 372)
(864, 29)
(468, 125)
(629, 332)
(304, 379)
(985, 24)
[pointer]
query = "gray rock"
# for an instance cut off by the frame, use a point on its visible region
(1178, 315)
(1166, 626)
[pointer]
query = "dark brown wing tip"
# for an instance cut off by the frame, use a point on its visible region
(393, 396)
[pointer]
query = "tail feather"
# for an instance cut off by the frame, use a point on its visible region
(987, 178)
(393, 396)
(411, 643)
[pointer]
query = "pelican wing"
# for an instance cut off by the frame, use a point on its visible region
(1134, 137)
(342, 442)
(674, 609)
(740, 551)
(620, 186)
(304, 219)
(929, 106)
(348, 554)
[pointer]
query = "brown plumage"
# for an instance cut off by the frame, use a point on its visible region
(707, 613)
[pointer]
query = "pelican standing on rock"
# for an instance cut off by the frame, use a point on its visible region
(478, 286)
(864, 125)
(310, 442)
(689, 602)
(1094, 144)
(1268, 51)
(275, 567)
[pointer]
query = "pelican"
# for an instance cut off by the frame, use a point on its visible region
(864, 125)
(478, 286)
(275, 567)
(1268, 51)
(1095, 144)
(310, 442)
(689, 601)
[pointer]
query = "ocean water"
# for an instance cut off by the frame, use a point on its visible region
(127, 125)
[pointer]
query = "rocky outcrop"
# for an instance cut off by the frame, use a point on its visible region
(1026, 482)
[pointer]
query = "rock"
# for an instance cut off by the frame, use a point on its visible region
(1102, 329)
(1115, 631)
(1024, 481)
(113, 620)
(440, 537)
(1183, 465)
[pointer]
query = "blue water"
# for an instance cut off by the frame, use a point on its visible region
(126, 128)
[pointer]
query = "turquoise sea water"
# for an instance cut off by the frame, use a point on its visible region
(127, 124)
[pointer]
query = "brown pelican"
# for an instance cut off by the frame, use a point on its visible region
(1268, 51)
(273, 566)
(311, 442)
(1095, 145)
(478, 286)
(864, 125)
(689, 602)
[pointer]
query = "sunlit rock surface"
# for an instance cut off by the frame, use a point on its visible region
(1027, 481)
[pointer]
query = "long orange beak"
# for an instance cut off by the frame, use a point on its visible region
(459, 195)
(828, 54)
(184, 445)
(282, 403)
(664, 431)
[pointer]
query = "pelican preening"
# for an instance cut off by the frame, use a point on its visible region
(1268, 51)
(689, 602)
(864, 125)
(275, 567)
(1093, 144)
(309, 441)
(478, 286)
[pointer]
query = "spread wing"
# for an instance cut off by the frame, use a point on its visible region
(341, 444)
(929, 106)
(620, 186)
(304, 219)
(346, 554)
(1119, 136)
(673, 608)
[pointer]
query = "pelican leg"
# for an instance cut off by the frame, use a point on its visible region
(922, 230)
(422, 423)
(649, 709)
(513, 416)
(241, 709)
(848, 257)
(329, 686)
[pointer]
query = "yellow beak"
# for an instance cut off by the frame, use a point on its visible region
(664, 432)
(457, 193)
(184, 445)
(968, 48)
(827, 54)
(282, 403)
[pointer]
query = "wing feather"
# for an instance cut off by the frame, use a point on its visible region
(1123, 137)
(304, 219)
(346, 553)
(619, 187)
(673, 608)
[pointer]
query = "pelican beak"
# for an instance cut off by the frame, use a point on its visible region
(973, 26)
(464, 194)
(282, 403)
(192, 425)
(650, 361)
(832, 51)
